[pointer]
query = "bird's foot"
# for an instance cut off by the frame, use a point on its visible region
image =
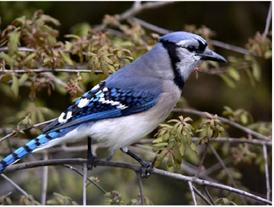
(91, 162)
(146, 169)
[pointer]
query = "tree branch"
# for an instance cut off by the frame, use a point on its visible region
(141, 189)
(215, 43)
(237, 140)
(90, 181)
(80, 161)
(35, 125)
(268, 20)
(138, 7)
(201, 196)
(44, 187)
(21, 49)
(224, 120)
(150, 26)
(85, 176)
(230, 47)
(44, 70)
(215, 153)
(267, 180)
(192, 193)
(15, 185)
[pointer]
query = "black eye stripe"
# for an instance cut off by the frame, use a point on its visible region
(202, 45)
(191, 48)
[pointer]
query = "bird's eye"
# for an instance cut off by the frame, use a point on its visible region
(191, 48)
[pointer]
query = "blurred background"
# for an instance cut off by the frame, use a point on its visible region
(232, 22)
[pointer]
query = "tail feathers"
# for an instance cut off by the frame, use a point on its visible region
(27, 149)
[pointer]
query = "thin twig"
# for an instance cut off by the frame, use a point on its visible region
(268, 20)
(141, 189)
(150, 26)
(224, 120)
(267, 180)
(237, 140)
(215, 153)
(80, 161)
(7, 136)
(220, 160)
(35, 125)
(212, 184)
(192, 193)
(44, 181)
(15, 185)
(230, 47)
(139, 7)
(201, 162)
(45, 70)
(90, 181)
(201, 196)
(216, 43)
(208, 195)
(85, 175)
(21, 49)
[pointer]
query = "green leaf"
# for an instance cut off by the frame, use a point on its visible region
(182, 149)
(15, 85)
(244, 119)
(234, 74)
(13, 43)
(67, 58)
(23, 78)
(256, 72)
(228, 81)
(9, 60)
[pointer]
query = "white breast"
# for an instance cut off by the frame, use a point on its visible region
(120, 132)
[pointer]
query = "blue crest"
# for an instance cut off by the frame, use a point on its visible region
(179, 36)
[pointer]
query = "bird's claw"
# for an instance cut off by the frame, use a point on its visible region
(146, 169)
(91, 162)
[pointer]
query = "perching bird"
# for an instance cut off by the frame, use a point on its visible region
(131, 102)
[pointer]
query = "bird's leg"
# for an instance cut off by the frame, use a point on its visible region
(91, 158)
(146, 166)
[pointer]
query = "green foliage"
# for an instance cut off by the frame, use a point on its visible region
(210, 127)
(28, 200)
(172, 140)
(264, 128)
(242, 153)
(240, 115)
(114, 198)
(224, 201)
(59, 199)
(5, 200)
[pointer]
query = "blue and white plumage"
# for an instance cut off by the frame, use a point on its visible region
(130, 103)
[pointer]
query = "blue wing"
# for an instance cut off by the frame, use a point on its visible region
(103, 102)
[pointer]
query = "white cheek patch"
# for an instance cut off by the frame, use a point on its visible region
(64, 117)
(188, 62)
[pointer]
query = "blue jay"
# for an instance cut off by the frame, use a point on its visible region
(131, 102)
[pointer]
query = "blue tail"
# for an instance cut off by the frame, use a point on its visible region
(28, 148)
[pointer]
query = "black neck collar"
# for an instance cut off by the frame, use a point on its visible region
(174, 59)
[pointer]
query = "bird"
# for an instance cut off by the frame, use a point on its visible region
(130, 103)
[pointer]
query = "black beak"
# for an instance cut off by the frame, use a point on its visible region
(210, 55)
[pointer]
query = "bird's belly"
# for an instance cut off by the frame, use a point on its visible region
(116, 133)
(123, 131)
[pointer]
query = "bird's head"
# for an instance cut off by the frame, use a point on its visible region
(187, 51)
